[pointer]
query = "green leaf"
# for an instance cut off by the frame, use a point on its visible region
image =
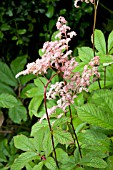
(55, 78)
(106, 59)
(26, 88)
(62, 156)
(62, 137)
(18, 113)
(23, 159)
(26, 78)
(47, 144)
(1, 35)
(110, 41)
(38, 139)
(95, 85)
(35, 104)
(92, 140)
(24, 143)
(40, 82)
(50, 163)
(7, 100)
(18, 64)
(85, 53)
(32, 92)
(103, 99)
(80, 67)
(59, 122)
(94, 115)
(14, 38)
(110, 163)
(9, 12)
(21, 31)
(53, 37)
(99, 41)
(5, 27)
(41, 53)
(50, 11)
(39, 166)
(2, 157)
(93, 162)
(37, 126)
(69, 165)
(7, 75)
(6, 89)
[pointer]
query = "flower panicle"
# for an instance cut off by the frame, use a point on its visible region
(55, 52)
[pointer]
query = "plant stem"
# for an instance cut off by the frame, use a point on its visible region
(106, 8)
(105, 77)
(76, 138)
(99, 84)
(45, 104)
(94, 23)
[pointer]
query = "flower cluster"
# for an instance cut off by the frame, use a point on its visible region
(55, 53)
(57, 56)
(87, 1)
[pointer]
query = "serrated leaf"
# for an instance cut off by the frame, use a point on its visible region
(55, 78)
(2, 157)
(38, 139)
(39, 166)
(85, 53)
(40, 82)
(26, 78)
(62, 137)
(50, 163)
(18, 64)
(103, 99)
(35, 104)
(62, 156)
(23, 159)
(94, 115)
(80, 67)
(24, 143)
(6, 89)
(47, 144)
(69, 165)
(110, 163)
(18, 113)
(7, 100)
(93, 162)
(95, 85)
(106, 59)
(32, 92)
(26, 88)
(88, 139)
(99, 41)
(37, 126)
(60, 121)
(110, 41)
(7, 75)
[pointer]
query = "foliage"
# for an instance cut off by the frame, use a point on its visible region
(82, 137)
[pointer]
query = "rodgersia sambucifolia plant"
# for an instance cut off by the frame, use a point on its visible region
(57, 57)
